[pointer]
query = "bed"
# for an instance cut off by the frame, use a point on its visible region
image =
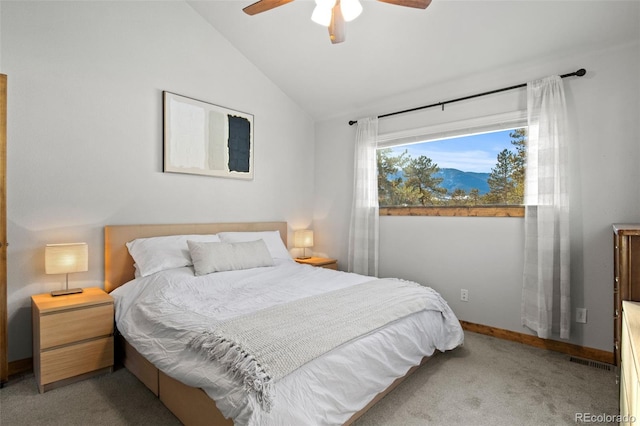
(167, 320)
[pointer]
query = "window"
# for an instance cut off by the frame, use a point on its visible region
(473, 174)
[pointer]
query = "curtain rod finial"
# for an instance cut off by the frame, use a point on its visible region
(581, 72)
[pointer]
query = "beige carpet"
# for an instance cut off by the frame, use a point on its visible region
(486, 382)
(494, 382)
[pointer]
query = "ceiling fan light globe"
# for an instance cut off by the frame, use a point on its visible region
(351, 9)
(321, 15)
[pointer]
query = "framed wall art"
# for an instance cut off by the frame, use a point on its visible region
(206, 139)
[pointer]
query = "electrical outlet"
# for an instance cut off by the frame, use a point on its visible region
(464, 295)
(581, 315)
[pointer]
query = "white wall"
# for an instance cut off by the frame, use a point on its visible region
(484, 255)
(85, 134)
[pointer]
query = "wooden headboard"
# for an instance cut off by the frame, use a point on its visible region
(118, 264)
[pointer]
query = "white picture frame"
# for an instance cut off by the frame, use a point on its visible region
(205, 139)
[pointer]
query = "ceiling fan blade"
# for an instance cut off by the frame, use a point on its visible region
(418, 4)
(337, 26)
(263, 6)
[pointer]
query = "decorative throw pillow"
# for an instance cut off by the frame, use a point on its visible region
(219, 257)
(271, 238)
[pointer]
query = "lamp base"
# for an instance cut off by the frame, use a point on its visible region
(66, 291)
(303, 257)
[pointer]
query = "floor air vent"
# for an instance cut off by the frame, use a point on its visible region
(595, 364)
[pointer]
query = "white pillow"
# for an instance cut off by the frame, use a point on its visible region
(219, 257)
(272, 238)
(157, 254)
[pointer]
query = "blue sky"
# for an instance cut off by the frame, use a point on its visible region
(474, 153)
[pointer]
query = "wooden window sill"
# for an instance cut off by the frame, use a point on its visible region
(459, 211)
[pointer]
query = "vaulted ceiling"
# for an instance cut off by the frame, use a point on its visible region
(391, 50)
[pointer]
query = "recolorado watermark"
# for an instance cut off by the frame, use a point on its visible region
(603, 418)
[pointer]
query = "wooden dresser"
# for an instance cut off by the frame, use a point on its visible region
(72, 337)
(630, 362)
(626, 272)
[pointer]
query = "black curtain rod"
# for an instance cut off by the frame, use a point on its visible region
(578, 73)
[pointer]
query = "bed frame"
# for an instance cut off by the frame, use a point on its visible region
(192, 406)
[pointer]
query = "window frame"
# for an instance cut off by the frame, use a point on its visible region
(457, 211)
(450, 130)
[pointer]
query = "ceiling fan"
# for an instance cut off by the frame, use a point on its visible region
(332, 13)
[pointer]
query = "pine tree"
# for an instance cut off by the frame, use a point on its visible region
(419, 176)
(506, 181)
(390, 191)
(459, 197)
(519, 141)
(474, 197)
(501, 184)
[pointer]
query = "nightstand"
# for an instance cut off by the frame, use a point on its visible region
(321, 262)
(72, 337)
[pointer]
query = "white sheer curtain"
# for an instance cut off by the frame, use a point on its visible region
(546, 304)
(363, 232)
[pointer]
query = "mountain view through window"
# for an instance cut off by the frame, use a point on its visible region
(484, 169)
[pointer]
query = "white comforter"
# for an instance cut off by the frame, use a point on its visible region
(159, 314)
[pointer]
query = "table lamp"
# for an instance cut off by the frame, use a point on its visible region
(303, 239)
(66, 259)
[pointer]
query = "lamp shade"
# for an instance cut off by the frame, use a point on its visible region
(303, 238)
(66, 258)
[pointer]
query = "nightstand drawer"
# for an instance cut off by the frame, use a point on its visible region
(73, 360)
(75, 325)
(333, 266)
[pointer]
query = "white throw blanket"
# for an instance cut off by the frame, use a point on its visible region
(264, 346)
